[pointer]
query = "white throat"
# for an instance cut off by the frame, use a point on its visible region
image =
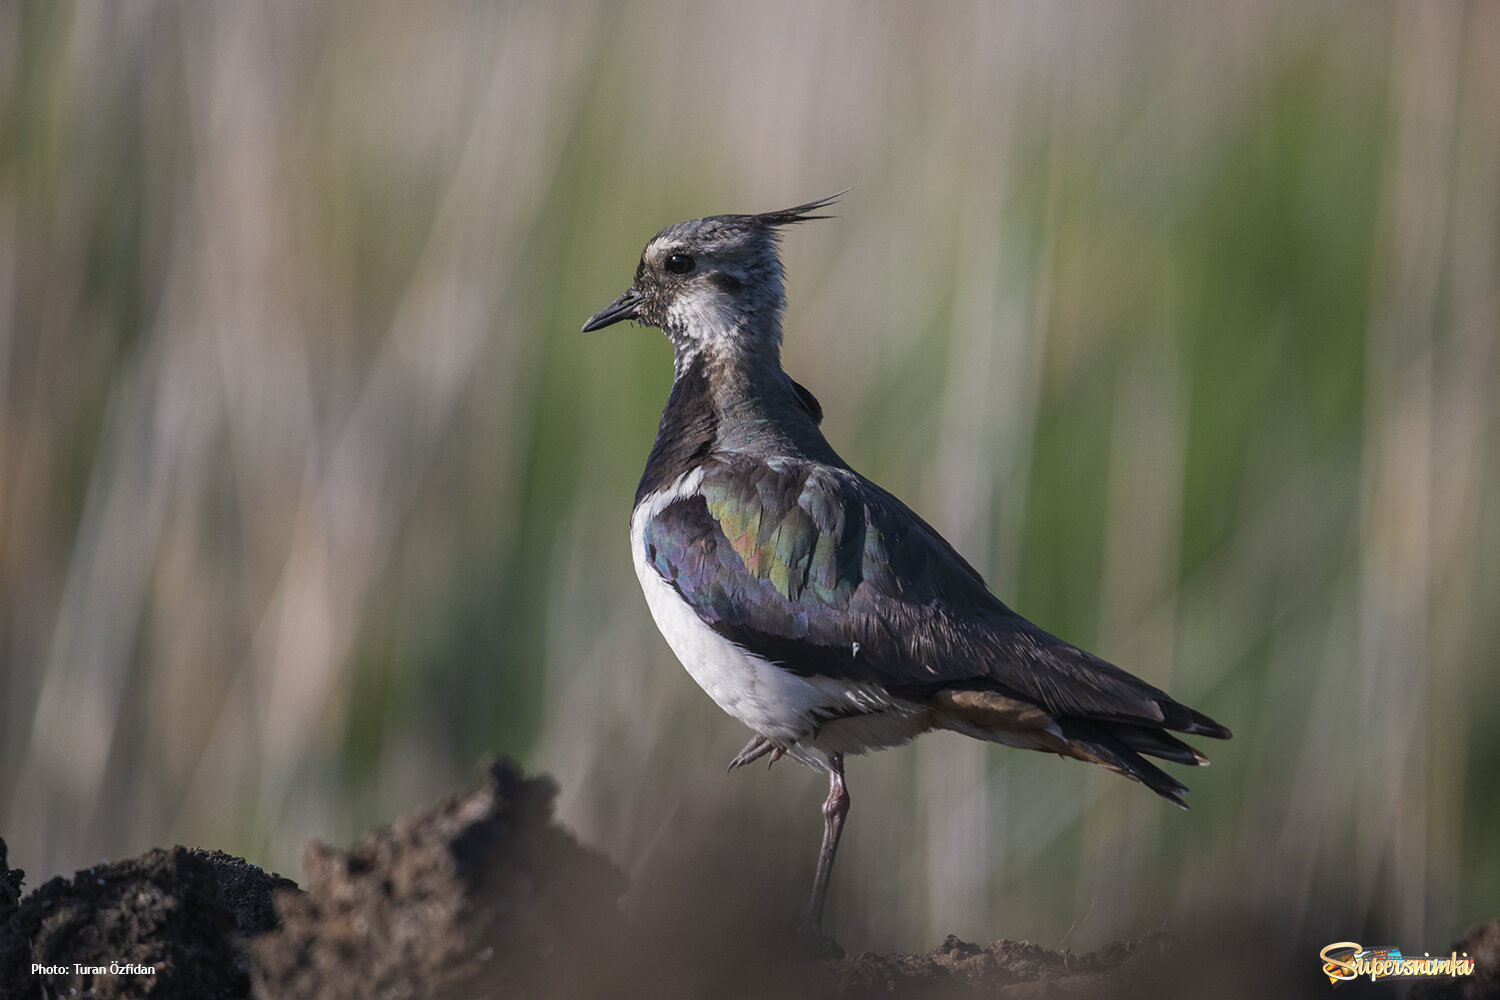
(706, 321)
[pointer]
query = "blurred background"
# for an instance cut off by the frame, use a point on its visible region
(1179, 321)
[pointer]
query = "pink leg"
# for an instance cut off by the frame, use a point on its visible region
(835, 808)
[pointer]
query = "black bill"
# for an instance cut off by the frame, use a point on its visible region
(622, 308)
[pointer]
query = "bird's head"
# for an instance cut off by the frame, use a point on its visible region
(712, 285)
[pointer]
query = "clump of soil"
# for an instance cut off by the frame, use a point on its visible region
(1007, 969)
(1011, 969)
(480, 895)
(180, 913)
(10, 884)
(484, 895)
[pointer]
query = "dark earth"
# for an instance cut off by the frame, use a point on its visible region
(484, 895)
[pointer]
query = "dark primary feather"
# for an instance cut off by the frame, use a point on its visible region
(821, 571)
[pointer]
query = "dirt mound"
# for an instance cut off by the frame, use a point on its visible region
(478, 891)
(483, 895)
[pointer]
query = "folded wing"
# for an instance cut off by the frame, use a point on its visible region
(819, 570)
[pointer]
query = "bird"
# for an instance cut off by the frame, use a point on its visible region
(811, 604)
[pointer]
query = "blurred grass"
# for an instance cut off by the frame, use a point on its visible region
(1181, 324)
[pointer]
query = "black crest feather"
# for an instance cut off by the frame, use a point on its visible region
(787, 216)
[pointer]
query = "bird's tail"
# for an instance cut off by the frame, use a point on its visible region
(1121, 746)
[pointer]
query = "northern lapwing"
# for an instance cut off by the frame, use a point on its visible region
(811, 604)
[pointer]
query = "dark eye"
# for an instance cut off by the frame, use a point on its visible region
(679, 263)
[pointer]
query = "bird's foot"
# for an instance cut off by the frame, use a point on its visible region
(755, 750)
